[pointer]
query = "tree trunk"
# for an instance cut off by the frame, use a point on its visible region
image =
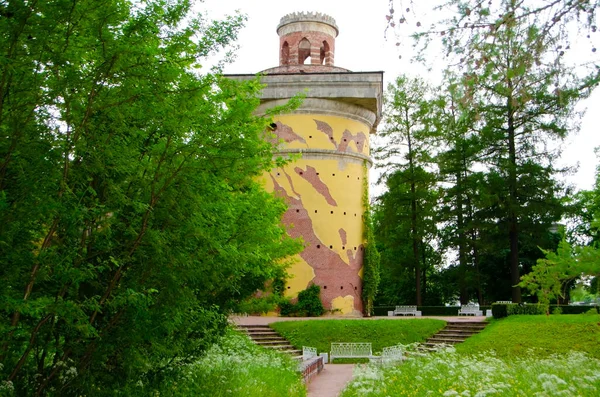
(513, 233)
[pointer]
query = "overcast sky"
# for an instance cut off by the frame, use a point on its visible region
(362, 45)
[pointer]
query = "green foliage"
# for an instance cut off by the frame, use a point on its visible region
(575, 309)
(405, 215)
(371, 261)
(309, 304)
(548, 278)
(258, 305)
(557, 310)
(539, 336)
(499, 310)
(234, 366)
(534, 309)
(381, 333)
(131, 219)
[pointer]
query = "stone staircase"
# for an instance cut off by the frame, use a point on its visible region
(265, 336)
(455, 332)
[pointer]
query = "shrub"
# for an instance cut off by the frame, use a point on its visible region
(258, 305)
(309, 304)
(515, 308)
(578, 309)
(286, 307)
(557, 310)
(499, 310)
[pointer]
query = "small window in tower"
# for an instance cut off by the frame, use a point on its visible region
(304, 52)
(342, 287)
(324, 52)
(285, 53)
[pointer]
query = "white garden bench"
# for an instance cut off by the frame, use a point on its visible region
(470, 310)
(392, 353)
(308, 352)
(407, 311)
(351, 350)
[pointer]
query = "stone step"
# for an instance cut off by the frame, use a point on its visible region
(265, 337)
(457, 335)
(262, 333)
(448, 341)
(471, 329)
(476, 324)
(280, 341)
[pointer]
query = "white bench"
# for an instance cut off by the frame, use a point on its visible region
(393, 353)
(407, 311)
(308, 352)
(470, 310)
(351, 350)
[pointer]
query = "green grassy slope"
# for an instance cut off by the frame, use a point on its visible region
(517, 335)
(381, 333)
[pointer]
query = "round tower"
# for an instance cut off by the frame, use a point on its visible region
(307, 38)
(327, 137)
(306, 43)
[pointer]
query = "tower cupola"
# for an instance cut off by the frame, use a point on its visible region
(307, 38)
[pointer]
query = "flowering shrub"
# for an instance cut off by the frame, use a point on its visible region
(236, 367)
(447, 373)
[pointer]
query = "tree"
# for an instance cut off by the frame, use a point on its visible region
(406, 155)
(525, 96)
(130, 216)
(462, 187)
(563, 20)
(548, 277)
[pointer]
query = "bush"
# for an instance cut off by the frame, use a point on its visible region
(579, 309)
(309, 304)
(515, 308)
(557, 310)
(287, 308)
(258, 305)
(499, 310)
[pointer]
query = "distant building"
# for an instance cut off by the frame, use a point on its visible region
(326, 187)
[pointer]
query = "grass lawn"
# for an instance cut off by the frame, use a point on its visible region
(516, 335)
(555, 355)
(381, 333)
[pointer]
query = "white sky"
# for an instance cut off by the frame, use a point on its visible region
(362, 46)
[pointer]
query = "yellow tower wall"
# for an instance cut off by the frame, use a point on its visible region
(324, 189)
